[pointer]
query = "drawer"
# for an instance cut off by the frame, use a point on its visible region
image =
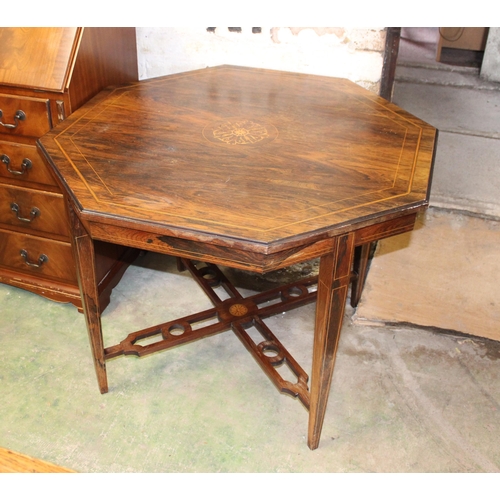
(25, 116)
(37, 256)
(33, 210)
(23, 162)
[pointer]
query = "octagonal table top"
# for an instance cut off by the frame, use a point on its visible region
(252, 155)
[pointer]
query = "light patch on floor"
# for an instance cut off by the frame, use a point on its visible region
(444, 274)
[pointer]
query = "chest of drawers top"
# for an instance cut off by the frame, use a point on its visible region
(37, 58)
(50, 72)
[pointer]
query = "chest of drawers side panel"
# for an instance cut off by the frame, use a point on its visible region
(33, 215)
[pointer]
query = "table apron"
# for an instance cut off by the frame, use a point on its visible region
(385, 229)
(237, 257)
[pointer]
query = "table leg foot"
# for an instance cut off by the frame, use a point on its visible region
(333, 283)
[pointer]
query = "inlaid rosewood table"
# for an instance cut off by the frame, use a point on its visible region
(246, 168)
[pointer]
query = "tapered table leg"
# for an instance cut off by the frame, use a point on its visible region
(360, 268)
(85, 262)
(333, 283)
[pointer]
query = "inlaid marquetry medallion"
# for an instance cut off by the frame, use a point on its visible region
(238, 310)
(240, 132)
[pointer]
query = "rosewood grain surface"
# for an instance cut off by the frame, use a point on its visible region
(248, 168)
(254, 155)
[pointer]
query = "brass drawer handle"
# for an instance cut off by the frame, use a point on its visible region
(34, 212)
(25, 165)
(41, 260)
(18, 117)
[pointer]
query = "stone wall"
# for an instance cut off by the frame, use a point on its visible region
(353, 53)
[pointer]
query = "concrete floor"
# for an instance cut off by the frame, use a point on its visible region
(402, 400)
(406, 396)
(444, 274)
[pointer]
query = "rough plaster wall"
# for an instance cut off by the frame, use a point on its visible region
(356, 54)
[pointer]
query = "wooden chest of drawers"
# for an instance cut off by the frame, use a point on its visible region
(45, 75)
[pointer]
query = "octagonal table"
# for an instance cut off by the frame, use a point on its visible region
(247, 168)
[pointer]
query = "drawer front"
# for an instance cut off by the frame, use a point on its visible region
(37, 256)
(33, 210)
(23, 162)
(25, 116)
